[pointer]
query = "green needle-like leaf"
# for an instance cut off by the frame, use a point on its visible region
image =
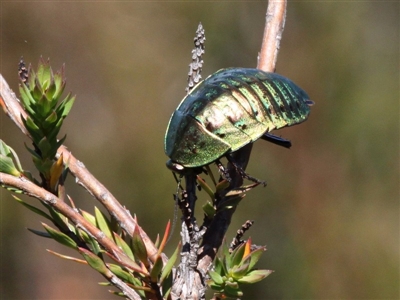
(255, 276)
(139, 248)
(44, 72)
(40, 233)
(67, 105)
(33, 130)
(89, 217)
(233, 292)
(60, 237)
(216, 278)
(227, 263)
(37, 91)
(124, 246)
(15, 157)
(209, 209)
(43, 106)
(7, 166)
(43, 166)
(156, 270)
(206, 187)
(81, 261)
(231, 202)
(94, 261)
(33, 208)
(255, 256)
(26, 98)
(32, 152)
(222, 185)
(167, 286)
(170, 264)
(59, 82)
(59, 220)
(52, 135)
(96, 249)
(103, 224)
(238, 272)
(218, 267)
(50, 93)
(237, 255)
(50, 120)
(45, 147)
(215, 287)
(121, 273)
(4, 148)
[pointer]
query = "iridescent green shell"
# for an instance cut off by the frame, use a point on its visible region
(229, 109)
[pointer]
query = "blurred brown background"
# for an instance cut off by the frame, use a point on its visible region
(330, 213)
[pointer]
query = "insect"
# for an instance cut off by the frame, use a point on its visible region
(228, 110)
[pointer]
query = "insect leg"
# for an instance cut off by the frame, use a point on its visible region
(222, 170)
(277, 140)
(243, 173)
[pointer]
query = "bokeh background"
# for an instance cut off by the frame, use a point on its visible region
(330, 213)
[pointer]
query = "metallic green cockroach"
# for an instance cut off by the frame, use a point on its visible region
(228, 110)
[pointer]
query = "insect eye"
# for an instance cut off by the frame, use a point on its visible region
(175, 167)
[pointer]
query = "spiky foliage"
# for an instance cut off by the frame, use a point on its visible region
(132, 268)
(235, 269)
(41, 93)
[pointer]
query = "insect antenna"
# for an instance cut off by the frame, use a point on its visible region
(176, 199)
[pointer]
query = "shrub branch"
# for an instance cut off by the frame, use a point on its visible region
(14, 110)
(193, 284)
(190, 279)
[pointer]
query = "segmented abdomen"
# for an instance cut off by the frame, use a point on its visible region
(229, 109)
(240, 105)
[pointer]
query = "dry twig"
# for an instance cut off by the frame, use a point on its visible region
(193, 284)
